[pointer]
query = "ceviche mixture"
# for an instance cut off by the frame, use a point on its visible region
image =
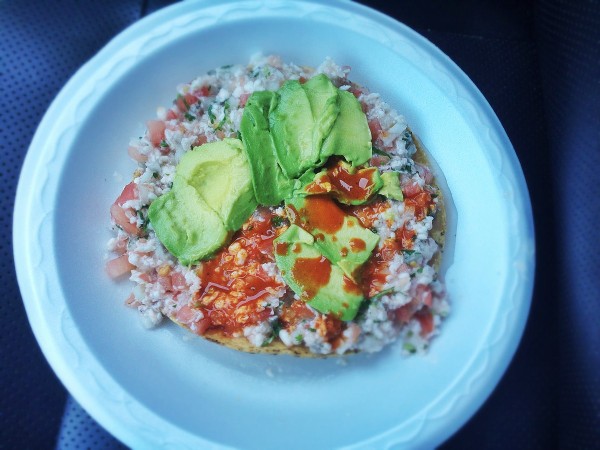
(282, 205)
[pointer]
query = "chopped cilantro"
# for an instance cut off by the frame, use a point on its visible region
(410, 348)
(155, 175)
(312, 329)
(298, 338)
(363, 308)
(145, 220)
(275, 329)
(382, 293)
(277, 221)
(163, 143)
(211, 115)
(189, 117)
(381, 152)
(221, 123)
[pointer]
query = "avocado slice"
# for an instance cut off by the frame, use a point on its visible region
(186, 225)
(323, 98)
(345, 183)
(220, 173)
(270, 185)
(323, 285)
(291, 125)
(391, 186)
(211, 197)
(350, 136)
(339, 236)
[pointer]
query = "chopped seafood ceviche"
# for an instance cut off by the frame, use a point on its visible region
(278, 207)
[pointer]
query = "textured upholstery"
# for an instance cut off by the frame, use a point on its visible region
(537, 63)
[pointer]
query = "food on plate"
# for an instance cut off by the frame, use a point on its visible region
(279, 208)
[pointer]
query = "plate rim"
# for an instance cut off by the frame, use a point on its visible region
(24, 256)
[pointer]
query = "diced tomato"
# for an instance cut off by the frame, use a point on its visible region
(375, 128)
(379, 160)
(184, 102)
(121, 246)
(425, 318)
(294, 313)
(424, 294)
(330, 327)
(156, 131)
(147, 278)
(202, 139)
(244, 99)
(178, 281)
(191, 99)
(421, 203)
(425, 173)
(135, 154)
(202, 325)
(119, 266)
(165, 282)
(119, 214)
(131, 301)
(404, 313)
(171, 114)
(411, 188)
(186, 315)
(355, 90)
(204, 91)
(120, 217)
(422, 199)
(129, 192)
(405, 237)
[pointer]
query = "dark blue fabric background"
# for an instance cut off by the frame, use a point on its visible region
(537, 63)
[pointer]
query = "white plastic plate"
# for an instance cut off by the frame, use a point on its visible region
(165, 388)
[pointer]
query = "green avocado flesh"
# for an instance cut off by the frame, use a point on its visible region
(291, 124)
(220, 172)
(345, 183)
(312, 121)
(323, 98)
(212, 196)
(186, 225)
(391, 186)
(350, 136)
(271, 186)
(339, 236)
(319, 282)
